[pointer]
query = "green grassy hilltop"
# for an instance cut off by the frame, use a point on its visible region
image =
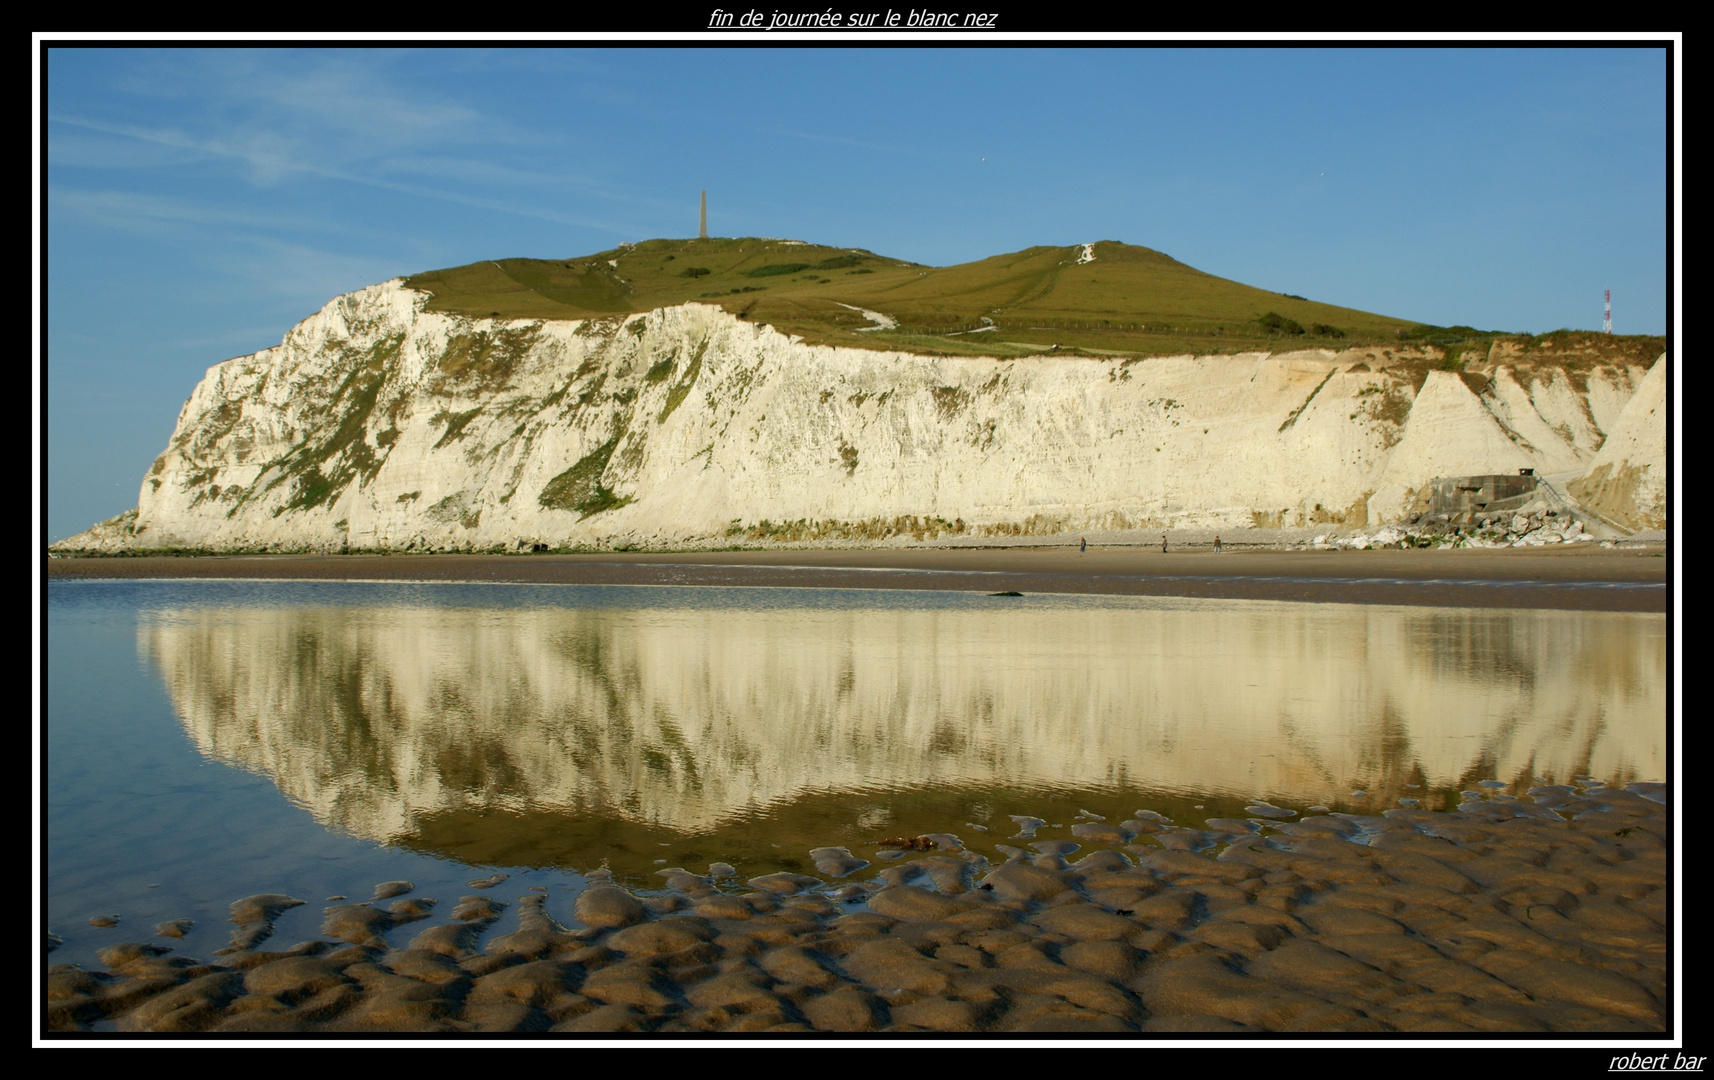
(1126, 300)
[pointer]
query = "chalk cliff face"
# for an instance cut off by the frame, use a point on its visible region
(1627, 480)
(376, 424)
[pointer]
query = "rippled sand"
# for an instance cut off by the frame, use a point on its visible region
(1541, 914)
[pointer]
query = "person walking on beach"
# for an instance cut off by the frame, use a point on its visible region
(1216, 543)
(1163, 543)
(1082, 545)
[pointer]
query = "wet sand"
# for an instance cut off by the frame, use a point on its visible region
(1544, 913)
(1534, 915)
(1580, 578)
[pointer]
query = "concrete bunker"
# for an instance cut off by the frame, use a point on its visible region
(1491, 493)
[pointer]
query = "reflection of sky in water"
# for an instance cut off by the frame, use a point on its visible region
(410, 713)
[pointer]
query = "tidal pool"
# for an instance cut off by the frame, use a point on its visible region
(208, 740)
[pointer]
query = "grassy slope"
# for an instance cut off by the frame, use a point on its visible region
(1130, 300)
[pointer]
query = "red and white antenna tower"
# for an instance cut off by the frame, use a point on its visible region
(1607, 319)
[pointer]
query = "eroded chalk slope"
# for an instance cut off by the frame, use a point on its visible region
(378, 425)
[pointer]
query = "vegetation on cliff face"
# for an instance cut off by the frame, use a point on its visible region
(681, 389)
(484, 360)
(340, 446)
(579, 488)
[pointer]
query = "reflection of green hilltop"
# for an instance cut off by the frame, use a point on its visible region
(1127, 299)
(779, 835)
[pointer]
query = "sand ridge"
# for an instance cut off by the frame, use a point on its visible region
(1568, 578)
(1534, 914)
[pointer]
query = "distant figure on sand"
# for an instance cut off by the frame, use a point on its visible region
(1163, 543)
(1216, 545)
(1082, 545)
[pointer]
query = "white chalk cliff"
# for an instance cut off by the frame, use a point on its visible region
(378, 425)
(1627, 480)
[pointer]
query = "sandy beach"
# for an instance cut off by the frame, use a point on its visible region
(1538, 914)
(1532, 909)
(1568, 578)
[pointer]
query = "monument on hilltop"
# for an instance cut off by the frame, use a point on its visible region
(702, 233)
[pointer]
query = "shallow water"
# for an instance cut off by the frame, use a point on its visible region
(208, 740)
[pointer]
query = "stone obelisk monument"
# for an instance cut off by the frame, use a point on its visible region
(702, 233)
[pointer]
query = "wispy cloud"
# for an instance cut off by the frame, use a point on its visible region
(383, 119)
(351, 98)
(269, 159)
(75, 148)
(136, 210)
(302, 271)
(268, 156)
(478, 171)
(325, 97)
(843, 141)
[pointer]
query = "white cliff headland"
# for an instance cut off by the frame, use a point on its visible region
(377, 424)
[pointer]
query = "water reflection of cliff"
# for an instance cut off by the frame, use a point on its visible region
(377, 718)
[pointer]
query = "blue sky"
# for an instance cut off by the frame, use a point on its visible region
(199, 202)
